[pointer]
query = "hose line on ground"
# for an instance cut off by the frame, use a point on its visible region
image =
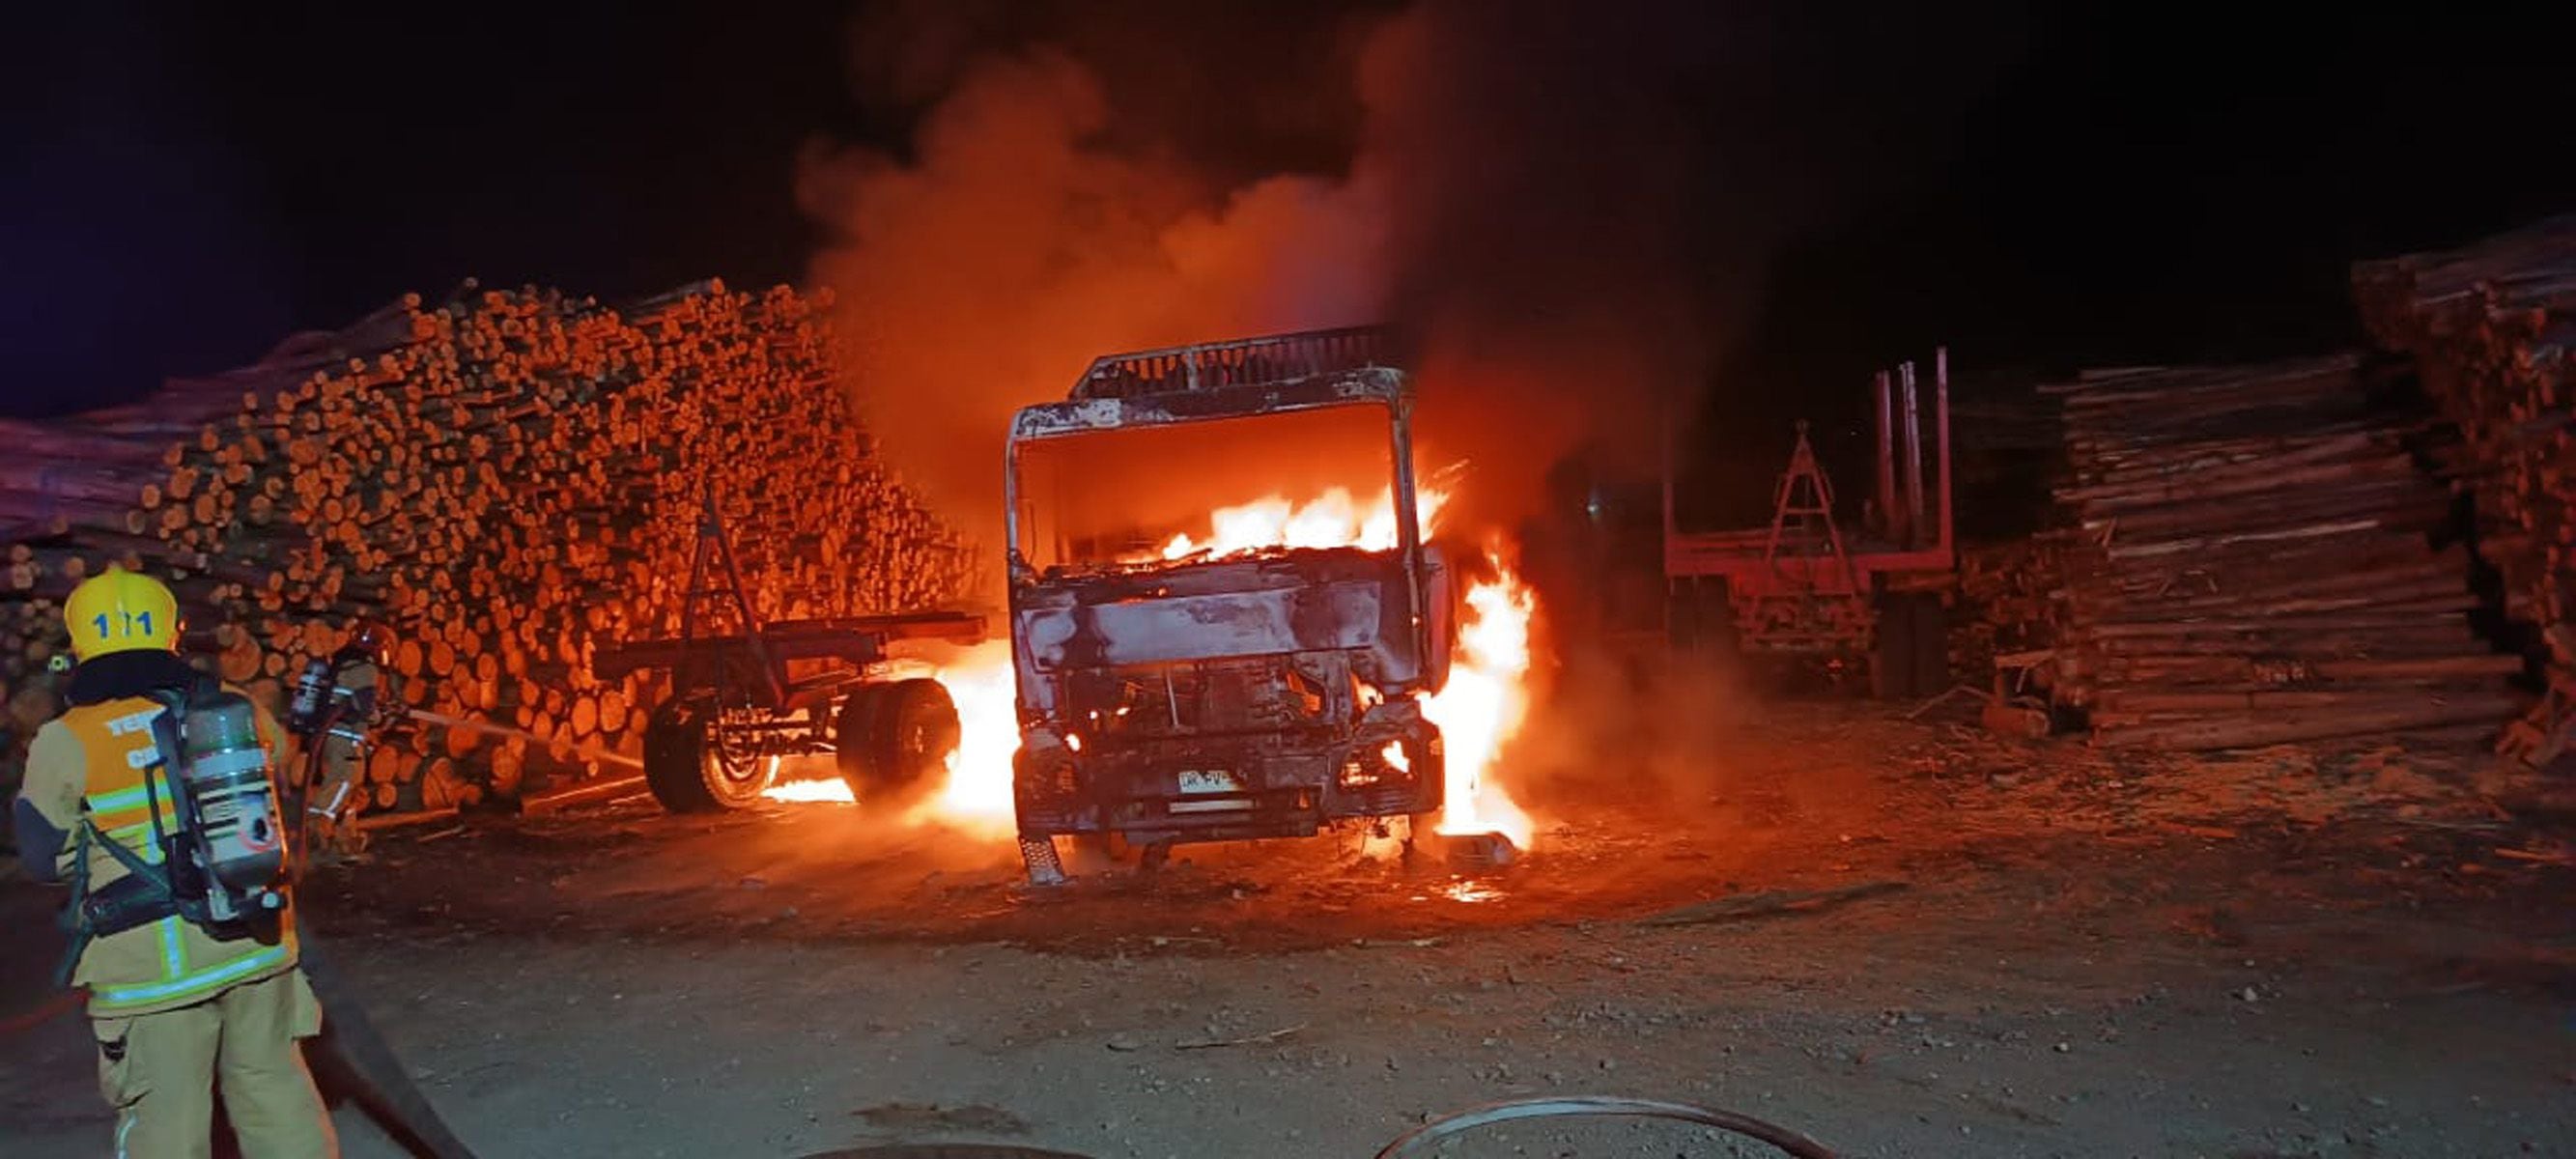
(355, 1058)
(1418, 1141)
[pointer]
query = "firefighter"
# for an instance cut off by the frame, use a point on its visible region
(180, 1007)
(340, 702)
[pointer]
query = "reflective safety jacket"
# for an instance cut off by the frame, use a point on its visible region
(93, 762)
(358, 712)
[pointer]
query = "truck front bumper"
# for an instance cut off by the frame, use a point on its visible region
(1225, 789)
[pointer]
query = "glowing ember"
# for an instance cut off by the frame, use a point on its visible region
(1470, 892)
(1484, 705)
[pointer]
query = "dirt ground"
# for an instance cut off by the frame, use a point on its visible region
(1924, 941)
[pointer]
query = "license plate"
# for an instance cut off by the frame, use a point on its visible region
(1209, 781)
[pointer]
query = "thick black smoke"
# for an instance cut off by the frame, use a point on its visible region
(1566, 205)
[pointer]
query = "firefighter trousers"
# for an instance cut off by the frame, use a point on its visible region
(161, 1072)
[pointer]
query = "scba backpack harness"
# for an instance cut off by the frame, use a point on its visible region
(220, 860)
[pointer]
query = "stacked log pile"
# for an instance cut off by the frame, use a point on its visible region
(2490, 328)
(2012, 593)
(507, 477)
(2251, 563)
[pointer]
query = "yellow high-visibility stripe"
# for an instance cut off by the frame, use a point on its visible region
(106, 999)
(129, 798)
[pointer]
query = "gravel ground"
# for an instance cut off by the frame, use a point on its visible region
(1928, 943)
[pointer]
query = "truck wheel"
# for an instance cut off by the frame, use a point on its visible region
(894, 740)
(1931, 645)
(1891, 656)
(691, 769)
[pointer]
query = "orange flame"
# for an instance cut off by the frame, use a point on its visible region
(1334, 519)
(977, 797)
(819, 791)
(1484, 705)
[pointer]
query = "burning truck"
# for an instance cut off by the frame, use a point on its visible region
(1177, 687)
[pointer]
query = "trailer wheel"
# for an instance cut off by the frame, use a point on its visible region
(894, 740)
(1931, 645)
(1700, 620)
(1892, 649)
(690, 767)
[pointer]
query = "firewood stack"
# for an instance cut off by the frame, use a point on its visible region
(508, 477)
(2251, 563)
(2011, 592)
(2490, 327)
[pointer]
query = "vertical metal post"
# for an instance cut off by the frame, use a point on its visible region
(1913, 460)
(1941, 420)
(1671, 521)
(1890, 521)
(1010, 505)
(1664, 547)
(1408, 527)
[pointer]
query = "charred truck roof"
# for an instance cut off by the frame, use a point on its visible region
(1262, 692)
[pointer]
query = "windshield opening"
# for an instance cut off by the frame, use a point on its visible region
(1207, 490)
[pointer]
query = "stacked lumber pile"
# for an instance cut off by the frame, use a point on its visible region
(2490, 328)
(2012, 592)
(508, 477)
(2251, 563)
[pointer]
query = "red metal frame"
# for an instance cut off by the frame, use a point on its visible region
(1757, 573)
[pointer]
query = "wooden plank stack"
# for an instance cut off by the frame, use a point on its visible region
(2490, 328)
(2249, 563)
(508, 477)
(2011, 594)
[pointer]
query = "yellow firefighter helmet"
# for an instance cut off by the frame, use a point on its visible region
(121, 611)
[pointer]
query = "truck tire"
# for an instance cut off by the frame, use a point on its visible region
(1892, 653)
(691, 770)
(1931, 645)
(1700, 619)
(893, 740)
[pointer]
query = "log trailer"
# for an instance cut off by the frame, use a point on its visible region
(745, 701)
(1799, 587)
(1253, 693)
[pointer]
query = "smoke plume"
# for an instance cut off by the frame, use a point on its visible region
(1515, 187)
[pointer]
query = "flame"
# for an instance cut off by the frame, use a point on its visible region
(1484, 705)
(821, 791)
(1333, 519)
(977, 795)
(817, 790)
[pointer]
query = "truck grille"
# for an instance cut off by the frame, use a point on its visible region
(1207, 698)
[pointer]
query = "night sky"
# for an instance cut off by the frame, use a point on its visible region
(189, 184)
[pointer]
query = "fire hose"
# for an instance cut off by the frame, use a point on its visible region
(362, 1064)
(487, 728)
(352, 1058)
(1419, 1140)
